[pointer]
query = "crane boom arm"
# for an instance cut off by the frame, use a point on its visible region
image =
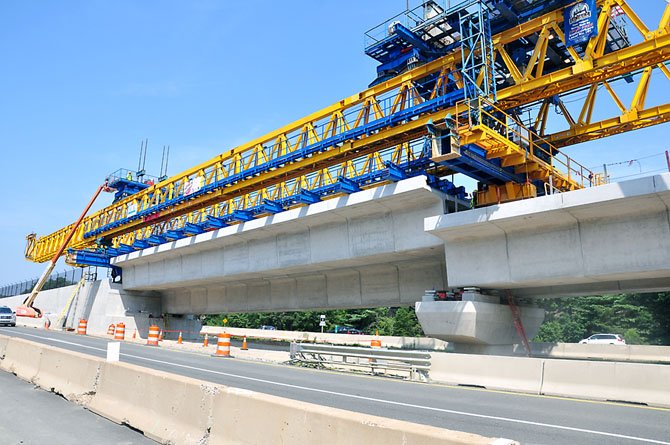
(27, 308)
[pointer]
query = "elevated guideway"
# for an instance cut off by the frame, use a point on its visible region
(614, 238)
(360, 250)
(608, 239)
(385, 246)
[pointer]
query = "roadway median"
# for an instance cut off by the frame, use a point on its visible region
(642, 383)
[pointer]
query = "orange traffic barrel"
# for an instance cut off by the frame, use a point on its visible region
(111, 329)
(120, 333)
(223, 346)
(81, 329)
(152, 339)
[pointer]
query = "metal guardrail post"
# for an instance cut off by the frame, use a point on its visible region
(416, 364)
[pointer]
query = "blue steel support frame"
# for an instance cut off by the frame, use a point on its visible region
(477, 52)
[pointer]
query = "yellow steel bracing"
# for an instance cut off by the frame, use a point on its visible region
(352, 168)
(531, 83)
(532, 156)
(631, 116)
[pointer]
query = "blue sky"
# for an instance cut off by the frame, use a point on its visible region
(84, 81)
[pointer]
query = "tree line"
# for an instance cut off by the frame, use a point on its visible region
(640, 318)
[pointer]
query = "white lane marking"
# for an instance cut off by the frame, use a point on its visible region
(370, 399)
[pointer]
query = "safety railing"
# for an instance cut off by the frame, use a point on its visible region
(377, 360)
(482, 112)
(132, 175)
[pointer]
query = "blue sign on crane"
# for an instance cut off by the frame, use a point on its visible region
(580, 22)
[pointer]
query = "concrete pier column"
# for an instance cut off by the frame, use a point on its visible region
(477, 319)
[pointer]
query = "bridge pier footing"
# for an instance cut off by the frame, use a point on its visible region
(477, 319)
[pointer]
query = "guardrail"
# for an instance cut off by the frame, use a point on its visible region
(416, 364)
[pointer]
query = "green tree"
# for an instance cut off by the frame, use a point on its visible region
(389, 321)
(641, 318)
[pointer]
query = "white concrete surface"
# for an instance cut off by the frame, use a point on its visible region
(366, 249)
(175, 409)
(476, 322)
(421, 343)
(103, 303)
(619, 353)
(610, 238)
(615, 381)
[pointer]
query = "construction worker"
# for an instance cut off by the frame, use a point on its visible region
(129, 176)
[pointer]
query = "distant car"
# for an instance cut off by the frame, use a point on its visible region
(604, 339)
(346, 330)
(7, 316)
(267, 327)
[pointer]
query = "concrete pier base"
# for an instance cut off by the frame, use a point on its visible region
(475, 322)
(103, 303)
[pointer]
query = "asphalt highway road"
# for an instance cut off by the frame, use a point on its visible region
(529, 419)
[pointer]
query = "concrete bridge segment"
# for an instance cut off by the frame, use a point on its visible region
(366, 249)
(385, 246)
(612, 238)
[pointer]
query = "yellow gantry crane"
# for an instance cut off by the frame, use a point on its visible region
(451, 89)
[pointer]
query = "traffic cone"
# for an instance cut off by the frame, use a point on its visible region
(205, 343)
(160, 336)
(244, 343)
(179, 340)
(134, 334)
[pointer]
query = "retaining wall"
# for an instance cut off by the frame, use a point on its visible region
(181, 410)
(103, 303)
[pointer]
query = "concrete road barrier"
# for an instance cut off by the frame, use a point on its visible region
(630, 382)
(166, 407)
(180, 410)
(493, 372)
(22, 357)
(3, 346)
(423, 343)
(625, 353)
(598, 380)
(70, 374)
(245, 417)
